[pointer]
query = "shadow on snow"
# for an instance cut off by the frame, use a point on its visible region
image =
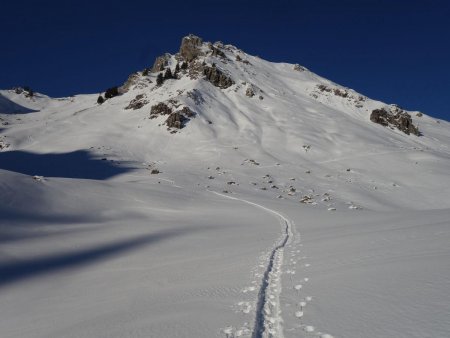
(11, 272)
(76, 164)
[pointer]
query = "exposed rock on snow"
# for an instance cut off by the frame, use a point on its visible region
(217, 77)
(137, 103)
(299, 68)
(160, 63)
(250, 92)
(160, 109)
(397, 118)
(175, 120)
(132, 80)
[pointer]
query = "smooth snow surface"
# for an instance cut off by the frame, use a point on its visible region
(218, 243)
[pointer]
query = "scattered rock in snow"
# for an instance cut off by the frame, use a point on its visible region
(250, 91)
(307, 199)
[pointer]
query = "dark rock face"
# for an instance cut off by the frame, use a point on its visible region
(217, 77)
(190, 47)
(160, 109)
(175, 120)
(397, 118)
(161, 62)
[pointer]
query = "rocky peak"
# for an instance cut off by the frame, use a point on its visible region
(190, 47)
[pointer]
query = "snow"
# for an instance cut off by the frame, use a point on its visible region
(94, 245)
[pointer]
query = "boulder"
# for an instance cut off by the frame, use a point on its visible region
(396, 118)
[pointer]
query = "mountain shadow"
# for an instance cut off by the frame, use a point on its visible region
(11, 272)
(76, 164)
(9, 107)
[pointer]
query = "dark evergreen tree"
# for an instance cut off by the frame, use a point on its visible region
(159, 79)
(184, 65)
(100, 99)
(111, 92)
(168, 74)
(28, 90)
(177, 68)
(146, 72)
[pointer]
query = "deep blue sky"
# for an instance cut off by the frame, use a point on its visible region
(393, 50)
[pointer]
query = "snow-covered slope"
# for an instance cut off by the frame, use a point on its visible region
(280, 209)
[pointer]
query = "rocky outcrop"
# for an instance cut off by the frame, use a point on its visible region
(217, 77)
(299, 68)
(175, 120)
(160, 109)
(395, 118)
(190, 47)
(137, 103)
(132, 80)
(160, 63)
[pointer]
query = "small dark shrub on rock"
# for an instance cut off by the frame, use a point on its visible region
(111, 92)
(100, 99)
(159, 79)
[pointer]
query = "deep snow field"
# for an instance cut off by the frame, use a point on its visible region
(218, 244)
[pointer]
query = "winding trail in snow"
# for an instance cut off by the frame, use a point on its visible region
(268, 320)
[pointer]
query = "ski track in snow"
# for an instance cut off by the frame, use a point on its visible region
(268, 319)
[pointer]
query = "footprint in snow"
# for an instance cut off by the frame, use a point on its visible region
(249, 289)
(244, 307)
(299, 314)
(309, 328)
